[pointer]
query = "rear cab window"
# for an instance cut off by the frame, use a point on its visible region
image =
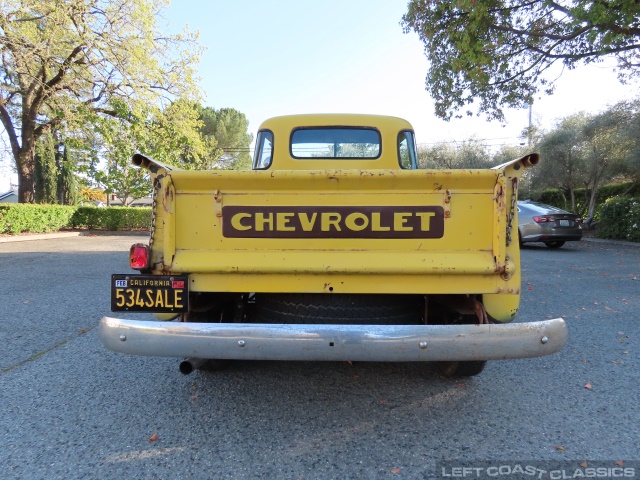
(335, 142)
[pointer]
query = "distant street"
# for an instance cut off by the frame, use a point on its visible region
(69, 409)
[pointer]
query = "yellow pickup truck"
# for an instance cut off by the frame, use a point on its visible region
(335, 246)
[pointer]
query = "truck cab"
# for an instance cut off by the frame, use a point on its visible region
(320, 142)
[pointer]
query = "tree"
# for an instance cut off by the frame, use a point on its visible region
(470, 153)
(631, 127)
(64, 61)
(67, 182)
(609, 145)
(45, 170)
(120, 177)
(171, 136)
(497, 52)
(565, 154)
(228, 127)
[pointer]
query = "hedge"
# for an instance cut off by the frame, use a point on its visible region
(553, 196)
(620, 219)
(112, 218)
(18, 218)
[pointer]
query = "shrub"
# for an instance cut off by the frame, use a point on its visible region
(112, 218)
(620, 219)
(553, 196)
(18, 218)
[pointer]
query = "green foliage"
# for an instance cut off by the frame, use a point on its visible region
(556, 197)
(46, 172)
(67, 182)
(469, 154)
(620, 219)
(65, 62)
(18, 218)
(497, 52)
(112, 218)
(228, 127)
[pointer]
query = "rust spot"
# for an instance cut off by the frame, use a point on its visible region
(447, 214)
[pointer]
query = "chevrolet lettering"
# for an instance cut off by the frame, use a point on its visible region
(333, 222)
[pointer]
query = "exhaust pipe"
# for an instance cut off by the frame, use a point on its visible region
(188, 365)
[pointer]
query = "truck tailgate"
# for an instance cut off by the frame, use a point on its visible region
(420, 231)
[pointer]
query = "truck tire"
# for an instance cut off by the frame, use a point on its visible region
(336, 309)
(461, 369)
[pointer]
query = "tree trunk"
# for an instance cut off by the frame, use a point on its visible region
(26, 164)
(573, 200)
(591, 212)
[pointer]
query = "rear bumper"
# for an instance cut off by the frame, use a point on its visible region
(388, 343)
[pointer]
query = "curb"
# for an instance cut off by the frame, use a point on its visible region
(613, 242)
(84, 233)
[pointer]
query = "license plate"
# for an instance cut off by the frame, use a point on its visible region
(565, 223)
(149, 293)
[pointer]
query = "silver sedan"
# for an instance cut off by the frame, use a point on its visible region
(553, 226)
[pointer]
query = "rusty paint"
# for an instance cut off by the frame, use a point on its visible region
(447, 214)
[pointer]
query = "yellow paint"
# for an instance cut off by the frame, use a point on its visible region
(472, 256)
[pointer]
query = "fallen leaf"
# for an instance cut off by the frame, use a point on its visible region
(383, 401)
(349, 362)
(608, 308)
(588, 386)
(25, 302)
(605, 274)
(395, 470)
(620, 333)
(529, 287)
(626, 352)
(584, 309)
(193, 397)
(153, 437)
(620, 463)
(549, 316)
(583, 361)
(584, 464)
(560, 448)
(615, 362)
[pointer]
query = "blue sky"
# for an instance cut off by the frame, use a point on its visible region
(285, 57)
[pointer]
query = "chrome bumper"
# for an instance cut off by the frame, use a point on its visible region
(384, 343)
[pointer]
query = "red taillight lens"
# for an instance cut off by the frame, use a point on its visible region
(139, 256)
(543, 219)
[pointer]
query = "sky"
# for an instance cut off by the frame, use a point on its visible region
(347, 56)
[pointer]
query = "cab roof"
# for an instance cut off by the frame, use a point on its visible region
(289, 122)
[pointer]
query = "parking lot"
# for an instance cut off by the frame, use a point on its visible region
(71, 409)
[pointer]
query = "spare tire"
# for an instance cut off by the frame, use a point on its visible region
(337, 309)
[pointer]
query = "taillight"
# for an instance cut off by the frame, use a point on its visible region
(139, 256)
(543, 219)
